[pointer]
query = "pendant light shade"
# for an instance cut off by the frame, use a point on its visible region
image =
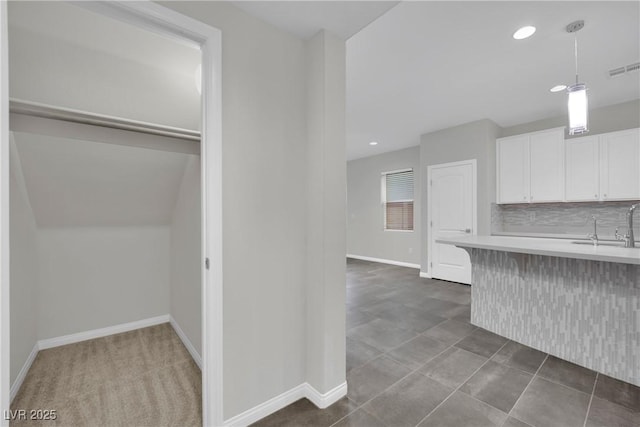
(578, 109)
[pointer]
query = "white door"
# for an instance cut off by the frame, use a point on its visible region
(452, 212)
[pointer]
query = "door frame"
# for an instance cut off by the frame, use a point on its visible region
(474, 204)
(159, 19)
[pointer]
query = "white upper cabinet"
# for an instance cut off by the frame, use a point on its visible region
(620, 165)
(603, 167)
(546, 151)
(530, 167)
(513, 169)
(583, 169)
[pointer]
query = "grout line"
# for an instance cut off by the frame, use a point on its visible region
(522, 370)
(399, 380)
(593, 392)
(361, 406)
(536, 374)
(528, 384)
(463, 383)
(386, 354)
(564, 385)
(402, 343)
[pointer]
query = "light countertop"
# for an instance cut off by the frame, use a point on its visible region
(548, 247)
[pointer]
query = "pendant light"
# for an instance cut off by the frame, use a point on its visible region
(578, 102)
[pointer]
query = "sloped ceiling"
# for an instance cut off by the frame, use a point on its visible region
(64, 55)
(74, 183)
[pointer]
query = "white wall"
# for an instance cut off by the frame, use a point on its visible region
(326, 199)
(186, 259)
(264, 205)
(24, 271)
(102, 276)
(475, 140)
(365, 213)
(265, 224)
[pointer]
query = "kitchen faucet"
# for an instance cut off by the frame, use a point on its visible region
(594, 236)
(629, 238)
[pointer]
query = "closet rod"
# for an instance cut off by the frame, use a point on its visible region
(36, 109)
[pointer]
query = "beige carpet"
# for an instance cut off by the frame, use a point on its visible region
(144, 377)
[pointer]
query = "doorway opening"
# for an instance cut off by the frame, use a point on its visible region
(96, 157)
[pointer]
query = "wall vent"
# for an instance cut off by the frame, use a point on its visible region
(617, 72)
(623, 70)
(633, 67)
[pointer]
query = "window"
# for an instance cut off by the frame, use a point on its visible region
(397, 200)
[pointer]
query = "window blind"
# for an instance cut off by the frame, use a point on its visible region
(399, 200)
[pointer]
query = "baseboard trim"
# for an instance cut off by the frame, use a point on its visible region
(267, 408)
(102, 332)
(384, 261)
(15, 387)
(425, 275)
(327, 399)
(186, 341)
(304, 390)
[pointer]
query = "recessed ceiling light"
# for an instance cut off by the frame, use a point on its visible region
(558, 88)
(373, 143)
(524, 32)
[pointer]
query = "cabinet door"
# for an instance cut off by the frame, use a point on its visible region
(582, 175)
(546, 151)
(620, 165)
(513, 169)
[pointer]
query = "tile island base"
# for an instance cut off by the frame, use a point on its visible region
(580, 310)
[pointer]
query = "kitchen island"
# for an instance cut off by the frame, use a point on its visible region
(575, 301)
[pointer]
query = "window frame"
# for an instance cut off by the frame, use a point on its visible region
(383, 200)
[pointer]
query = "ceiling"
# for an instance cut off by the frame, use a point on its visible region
(74, 183)
(72, 23)
(412, 67)
(65, 55)
(425, 66)
(305, 18)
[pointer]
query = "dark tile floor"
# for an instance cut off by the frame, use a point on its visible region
(413, 359)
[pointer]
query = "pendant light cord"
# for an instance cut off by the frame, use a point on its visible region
(576, 53)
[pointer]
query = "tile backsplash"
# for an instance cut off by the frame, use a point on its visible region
(572, 220)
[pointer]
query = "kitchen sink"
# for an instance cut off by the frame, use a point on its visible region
(587, 242)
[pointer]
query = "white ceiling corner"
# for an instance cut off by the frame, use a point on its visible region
(305, 18)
